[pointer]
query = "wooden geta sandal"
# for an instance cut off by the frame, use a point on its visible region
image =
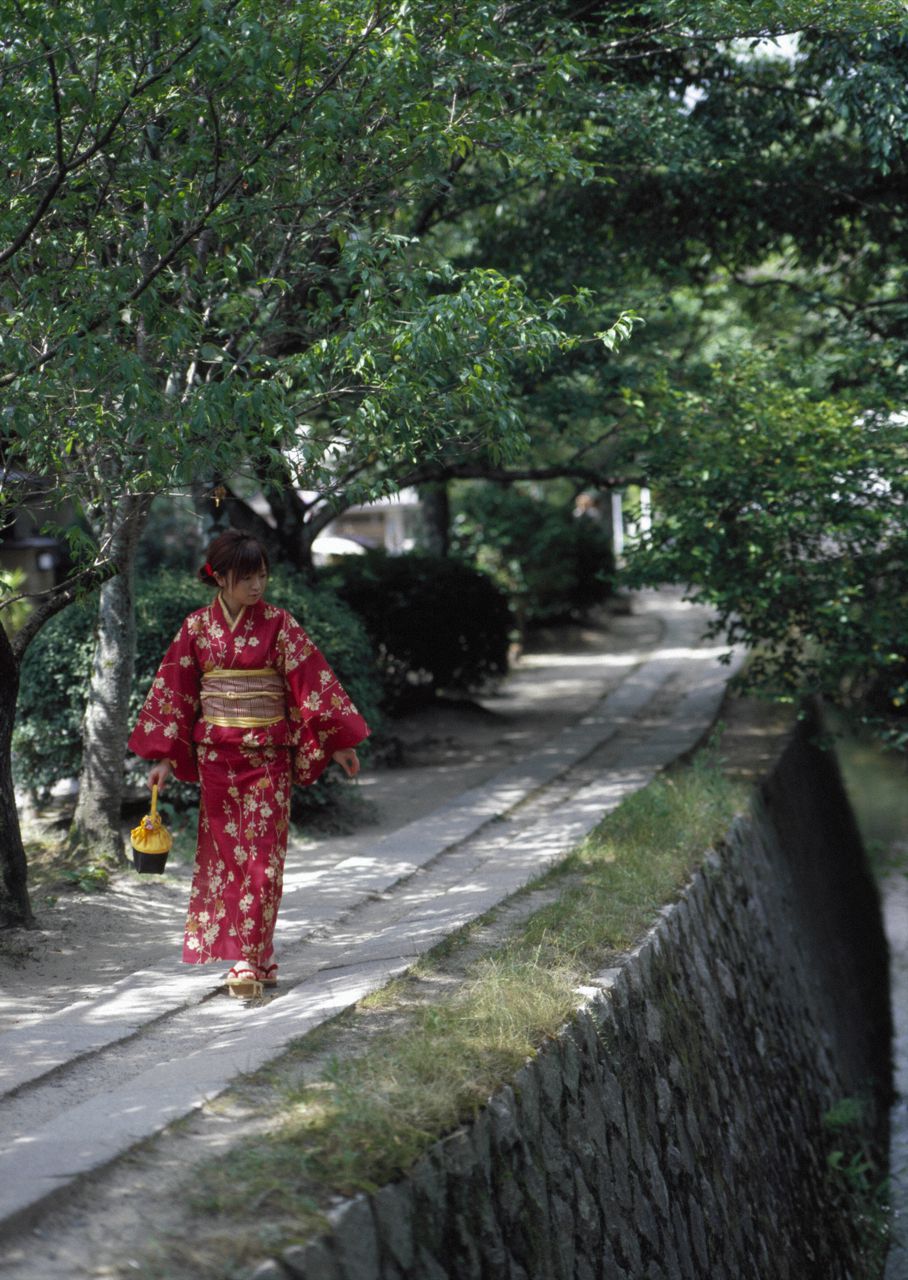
(243, 982)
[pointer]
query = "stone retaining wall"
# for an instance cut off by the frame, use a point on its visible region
(675, 1128)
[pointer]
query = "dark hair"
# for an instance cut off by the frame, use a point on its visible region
(233, 554)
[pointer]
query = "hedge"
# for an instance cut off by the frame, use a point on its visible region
(437, 624)
(553, 564)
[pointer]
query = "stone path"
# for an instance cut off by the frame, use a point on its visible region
(81, 1084)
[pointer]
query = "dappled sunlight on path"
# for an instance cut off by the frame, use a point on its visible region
(116, 1039)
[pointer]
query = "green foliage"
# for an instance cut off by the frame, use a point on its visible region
(12, 584)
(162, 602)
(855, 1180)
(365, 264)
(436, 624)
(785, 511)
(47, 741)
(756, 215)
(552, 563)
(704, 191)
(762, 18)
(873, 100)
(847, 1113)
(92, 878)
(215, 237)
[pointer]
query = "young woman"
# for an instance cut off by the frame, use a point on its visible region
(244, 704)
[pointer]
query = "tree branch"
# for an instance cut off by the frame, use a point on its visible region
(62, 596)
(58, 112)
(66, 168)
(199, 225)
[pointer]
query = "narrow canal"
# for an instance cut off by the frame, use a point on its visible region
(877, 783)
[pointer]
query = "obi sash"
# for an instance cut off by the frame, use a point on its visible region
(238, 699)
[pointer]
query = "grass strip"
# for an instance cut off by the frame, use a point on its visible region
(634, 862)
(365, 1118)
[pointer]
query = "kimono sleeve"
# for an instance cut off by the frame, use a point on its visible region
(166, 721)
(322, 717)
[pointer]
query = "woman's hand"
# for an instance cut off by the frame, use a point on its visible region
(348, 761)
(158, 774)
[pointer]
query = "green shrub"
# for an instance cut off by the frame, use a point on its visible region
(56, 669)
(47, 741)
(553, 564)
(436, 623)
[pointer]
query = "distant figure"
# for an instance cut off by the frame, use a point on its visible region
(244, 703)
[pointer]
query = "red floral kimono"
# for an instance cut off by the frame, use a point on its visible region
(246, 710)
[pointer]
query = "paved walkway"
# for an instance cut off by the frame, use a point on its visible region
(82, 1084)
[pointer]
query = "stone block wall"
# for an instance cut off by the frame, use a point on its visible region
(675, 1128)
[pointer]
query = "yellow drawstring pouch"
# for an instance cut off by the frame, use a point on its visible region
(150, 840)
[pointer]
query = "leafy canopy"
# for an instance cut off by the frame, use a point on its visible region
(212, 252)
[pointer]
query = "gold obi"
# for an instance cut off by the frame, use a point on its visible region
(237, 699)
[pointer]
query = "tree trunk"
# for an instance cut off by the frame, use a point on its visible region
(15, 908)
(105, 728)
(436, 515)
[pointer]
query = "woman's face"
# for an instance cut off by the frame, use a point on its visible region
(244, 591)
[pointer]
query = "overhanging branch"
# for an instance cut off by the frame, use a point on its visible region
(94, 576)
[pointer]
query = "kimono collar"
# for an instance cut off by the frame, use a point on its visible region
(233, 620)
